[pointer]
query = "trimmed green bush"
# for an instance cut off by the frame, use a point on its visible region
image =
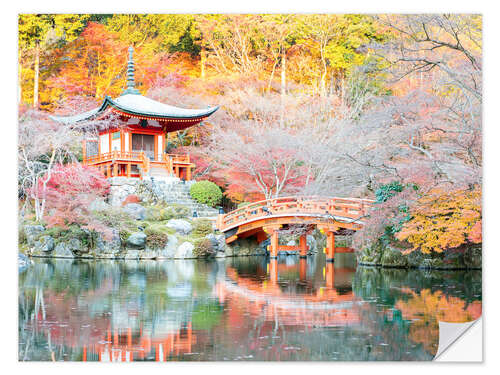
(206, 192)
(202, 227)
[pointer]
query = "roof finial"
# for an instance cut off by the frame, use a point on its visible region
(130, 74)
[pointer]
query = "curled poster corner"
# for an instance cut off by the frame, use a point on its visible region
(466, 346)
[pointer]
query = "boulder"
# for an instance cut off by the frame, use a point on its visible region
(149, 254)
(44, 245)
(185, 250)
(180, 226)
(473, 257)
(135, 210)
(110, 246)
(99, 205)
(32, 232)
(137, 240)
(312, 243)
(170, 249)
(23, 262)
(62, 251)
(76, 246)
(393, 258)
(131, 254)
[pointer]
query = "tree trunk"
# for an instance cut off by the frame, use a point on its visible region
(37, 73)
(203, 62)
(283, 87)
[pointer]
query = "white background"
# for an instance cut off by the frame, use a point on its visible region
(8, 185)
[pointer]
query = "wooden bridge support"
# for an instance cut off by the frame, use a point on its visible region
(330, 246)
(273, 247)
(302, 269)
(273, 271)
(303, 246)
(330, 275)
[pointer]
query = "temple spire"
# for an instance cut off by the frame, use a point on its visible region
(130, 74)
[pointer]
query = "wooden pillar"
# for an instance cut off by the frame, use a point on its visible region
(115, 169)
(302, 269)
(330, 275)
(273, 232)
(129, 168)
(303, 246)
(330, 246)
(274, 244)
(273, 271)
(108, 170)
(84, 151)
(176, 171)
(84, 356)
(188, 173)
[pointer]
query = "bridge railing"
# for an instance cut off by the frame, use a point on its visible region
(350, 208)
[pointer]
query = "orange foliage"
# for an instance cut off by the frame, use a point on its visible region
(426, 309)
(442, 220)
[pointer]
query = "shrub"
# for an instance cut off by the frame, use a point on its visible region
(22, 236)
(206, 192)
(203, 248)
(202, 227)
(156, 238)
(159, 213)
(180, 211)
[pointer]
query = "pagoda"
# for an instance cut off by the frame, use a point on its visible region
(135, 146)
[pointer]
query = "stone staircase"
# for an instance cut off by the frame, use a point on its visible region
(174, 191)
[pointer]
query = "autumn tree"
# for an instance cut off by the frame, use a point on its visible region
(38, 34)
(68, 193)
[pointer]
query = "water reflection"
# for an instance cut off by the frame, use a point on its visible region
(237, 309)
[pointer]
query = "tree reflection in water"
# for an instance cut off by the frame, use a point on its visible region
(237, 309)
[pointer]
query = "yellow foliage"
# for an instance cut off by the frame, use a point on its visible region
(442, 220)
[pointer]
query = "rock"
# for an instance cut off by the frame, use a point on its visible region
(131, 254)
(184, 251)
(245, 247)
(111, 246)
(312, 243)
(44, 245)
(32, 232)
(180, 226)
(23, 262)
(393, 258)
(149, 254)
(220, 254)
(473, 257)
(137, 240)
(62, 251)
(76, 246)
(170, 249)
(99, 205)
(135, 210)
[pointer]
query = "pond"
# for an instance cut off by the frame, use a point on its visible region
(246, 308)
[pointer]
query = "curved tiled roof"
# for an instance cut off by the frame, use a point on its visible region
(138, 105)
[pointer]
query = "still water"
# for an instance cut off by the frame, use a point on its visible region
(245, 308)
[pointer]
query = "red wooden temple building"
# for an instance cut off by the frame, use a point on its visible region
(135, 147)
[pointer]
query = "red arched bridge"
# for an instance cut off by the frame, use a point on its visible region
(266, 218)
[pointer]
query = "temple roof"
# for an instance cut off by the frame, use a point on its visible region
(132, 103)
(137, 105)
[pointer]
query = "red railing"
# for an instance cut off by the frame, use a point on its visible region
(351, 208)
(171, 162)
